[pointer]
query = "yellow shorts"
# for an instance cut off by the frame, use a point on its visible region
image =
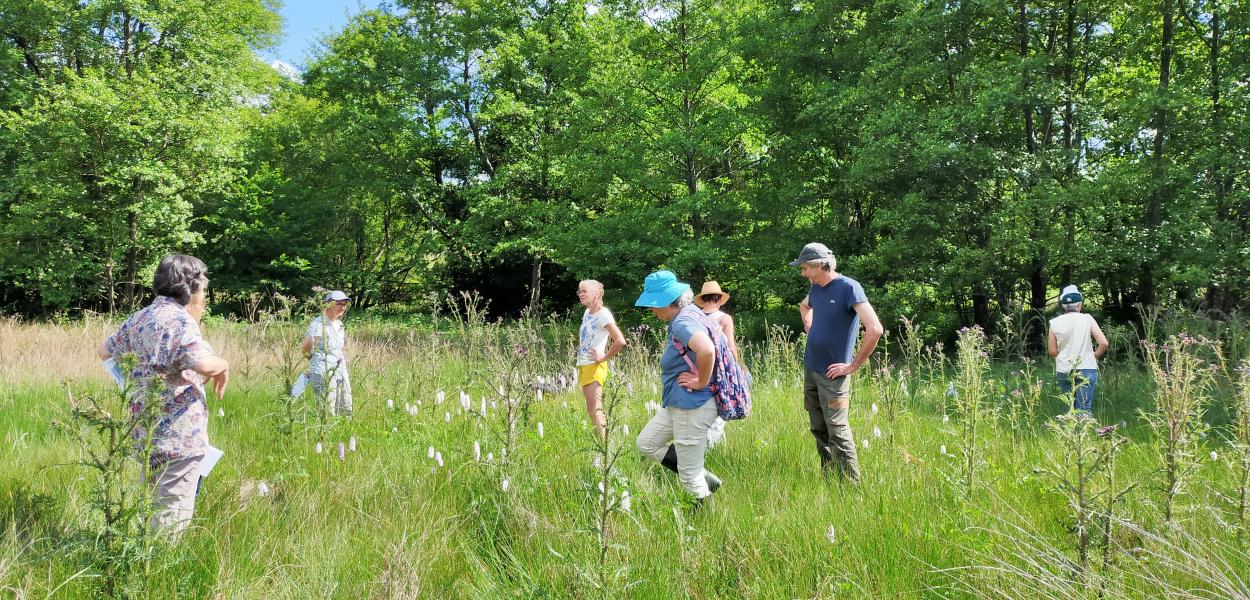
(588, 374)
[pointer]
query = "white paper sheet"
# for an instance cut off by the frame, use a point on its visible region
(211, 456)
(301, 382)
(115, 372)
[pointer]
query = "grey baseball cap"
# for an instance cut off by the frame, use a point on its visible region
(336, 296)
(811, 252)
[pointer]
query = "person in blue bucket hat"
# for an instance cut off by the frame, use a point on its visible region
(676, 436)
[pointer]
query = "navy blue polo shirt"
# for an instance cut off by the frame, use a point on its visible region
(835, 324)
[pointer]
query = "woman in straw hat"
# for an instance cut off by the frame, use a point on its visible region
(711, 298)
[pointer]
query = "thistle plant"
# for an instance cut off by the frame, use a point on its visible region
(1182, 382)
(1084, 472)
(912, 345)
(110, 439)
(972, 364)
(1241, 444)
(610, 493)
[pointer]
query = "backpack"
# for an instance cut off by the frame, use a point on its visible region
(730, 383)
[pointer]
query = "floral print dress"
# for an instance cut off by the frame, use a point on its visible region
(166, 343)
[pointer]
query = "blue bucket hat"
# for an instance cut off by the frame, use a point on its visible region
(660, 289)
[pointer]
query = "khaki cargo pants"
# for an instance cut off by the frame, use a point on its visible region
(828, 404)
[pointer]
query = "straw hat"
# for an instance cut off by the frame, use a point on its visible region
(710, 287)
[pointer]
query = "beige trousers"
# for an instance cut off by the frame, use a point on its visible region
(173, 495)
(687, 430)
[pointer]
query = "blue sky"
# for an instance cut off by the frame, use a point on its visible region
(305, 21)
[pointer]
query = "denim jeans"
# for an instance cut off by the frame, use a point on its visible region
(1086, 383)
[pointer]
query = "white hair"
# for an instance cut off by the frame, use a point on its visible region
(1074, 307)
(826, 264)
(685, 298)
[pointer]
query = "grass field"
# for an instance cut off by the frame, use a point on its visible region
(388, 521)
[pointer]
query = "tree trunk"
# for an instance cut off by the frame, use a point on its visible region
(1158, 188)
(132, 259)
(536, 284)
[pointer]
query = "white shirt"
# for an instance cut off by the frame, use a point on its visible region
(593, 335)
(329, 349)
(1073, 336)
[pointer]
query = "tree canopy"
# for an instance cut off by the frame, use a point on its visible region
(963, 159)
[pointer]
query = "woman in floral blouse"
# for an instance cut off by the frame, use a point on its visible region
(171, 362)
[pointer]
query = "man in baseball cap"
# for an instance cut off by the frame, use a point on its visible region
(832, 313)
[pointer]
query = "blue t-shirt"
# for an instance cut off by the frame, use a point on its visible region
(835, 324)
(687, 323)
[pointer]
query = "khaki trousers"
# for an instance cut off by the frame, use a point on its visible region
(173, 495)
(687, 430)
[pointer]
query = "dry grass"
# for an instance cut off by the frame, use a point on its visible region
(42, 352)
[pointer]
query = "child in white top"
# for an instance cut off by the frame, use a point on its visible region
(598, 325)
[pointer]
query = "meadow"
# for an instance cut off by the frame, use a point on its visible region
(469, 471)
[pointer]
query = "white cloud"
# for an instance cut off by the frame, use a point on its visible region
(286, 70)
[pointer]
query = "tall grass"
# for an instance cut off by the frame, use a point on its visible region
(389, 521)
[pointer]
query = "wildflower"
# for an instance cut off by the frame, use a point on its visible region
(318, 447)
(654, 390)
(865, 443)
(465, 401)
(566, 404)
(1105, 431)
(874, 408)
(342, 452)
(625, 501)
(832, 535)
(351, 443)
(503, 454)
(876, 432)
(439, 397)
(483, 406)
(394, 430)
(430, 453)
(540, 429)
(601, 488)
(951, 392)
(477, 451)
(221, 412)
(438, 458)
(943, 449)
(625, 429)
(504, 484)
(1214, 456)
(540, 395)
(490, 457)
(262, 489)
(390, 404)
(946, 418)
(776, 383)
(447, 417)
(598, 462)
(502, 392)
(629, 389)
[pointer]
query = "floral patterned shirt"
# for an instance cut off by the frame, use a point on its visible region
(166, 342)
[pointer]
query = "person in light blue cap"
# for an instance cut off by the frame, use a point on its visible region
(324, 345)
(676, 436)
(1069, 343)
